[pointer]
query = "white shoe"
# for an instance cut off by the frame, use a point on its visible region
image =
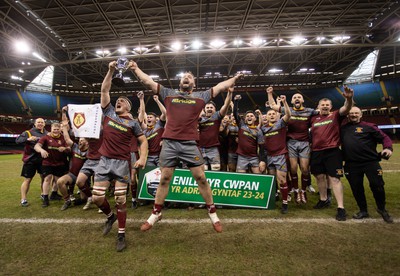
(311, 189)
(100, 211)
(88, 203)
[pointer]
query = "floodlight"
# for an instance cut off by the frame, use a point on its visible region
(22, 46)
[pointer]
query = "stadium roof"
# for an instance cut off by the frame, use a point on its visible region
(290, 42)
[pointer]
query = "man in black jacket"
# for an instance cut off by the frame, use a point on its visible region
(359, 142)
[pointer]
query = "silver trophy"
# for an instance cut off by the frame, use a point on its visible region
(122, 66)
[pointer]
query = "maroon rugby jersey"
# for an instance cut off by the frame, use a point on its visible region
(153, 135)
(209, 130)
(232, 138)
(94, 146)
(299, 123)
(134, 144)
(51, 144)
(117, 134)
(325, 131)
(183, 111)
(77, 160)
(275, 138)
(249, 138)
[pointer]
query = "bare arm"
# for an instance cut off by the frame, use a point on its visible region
(348, 103)
(259, 115)
(106, 85)
(288, 113)
(39, 148)
(163, 116)
(228, 99)
(225, 85)
(143, 147)
(142, 107)
(271, 100)
(143, 77)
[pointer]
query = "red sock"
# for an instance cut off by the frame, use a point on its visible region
(295, 181)
(121, 216)
(305, 181)
(211, 208)
(284, 192)
(157, 208)
(105, 207)
(86, 190)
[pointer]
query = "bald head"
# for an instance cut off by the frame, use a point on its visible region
(355, 115)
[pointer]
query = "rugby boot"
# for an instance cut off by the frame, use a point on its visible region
(109, 223)
(121, 244)
(361, 215)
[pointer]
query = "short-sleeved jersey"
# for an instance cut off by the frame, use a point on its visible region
(94, 146)
(52, 144)
(249, 139)
(30, 155)
(299, 123)
(153, 135)
(117, 134)
(78, 158)
(325, 131)
(275, 138)
(232, 138)
(183, 111)
(209, 130)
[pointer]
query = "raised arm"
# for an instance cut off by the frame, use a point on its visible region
(65, 127)
(225, 85)
(271, 100)
(228, 99)
(106, 85)
(163, 116)
(236, 109)
(288, 113)
(143, 77)
(142, 108)
(259, 115)
(348, 103)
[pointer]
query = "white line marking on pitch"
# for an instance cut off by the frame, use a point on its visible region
(189, 221)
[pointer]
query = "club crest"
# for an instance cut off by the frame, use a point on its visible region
(79, 119)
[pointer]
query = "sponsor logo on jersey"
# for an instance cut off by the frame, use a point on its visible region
(152, 136)
(79, 156)
(183, 101)
(299, 118)
(207, 124)
(271, 133)
(323, 123)
(359, 130)
(249, 134)
(79, 119)
(117, 126)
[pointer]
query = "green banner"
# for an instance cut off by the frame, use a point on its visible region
(230, 189)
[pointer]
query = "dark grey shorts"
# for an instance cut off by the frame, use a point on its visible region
(245, 162)
(153, 160)
(211, 155)
(299, 149)
(277, 163)
(109, 169)
(89, 167)
(174, 151)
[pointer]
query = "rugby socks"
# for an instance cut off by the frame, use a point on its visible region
(305, 181)
(121, 216)
(86, 190)
(284, 192)
(157, 209)
(295, 180)
(211, 208)
(106, 209)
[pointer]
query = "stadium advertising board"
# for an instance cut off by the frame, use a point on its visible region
(229, 189)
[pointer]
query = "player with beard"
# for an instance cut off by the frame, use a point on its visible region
(250, 142)
(326, 157)
(275, 146)
(179, 139)
(118, 130)
(52, 148)
(359, 142)
(209, 127)
(298, 142)
(78, 158)
(32, 159)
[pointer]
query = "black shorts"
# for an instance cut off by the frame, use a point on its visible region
(54, 170)
(29, 170)
(329, 161)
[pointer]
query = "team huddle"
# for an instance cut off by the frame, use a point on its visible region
(191, 132)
